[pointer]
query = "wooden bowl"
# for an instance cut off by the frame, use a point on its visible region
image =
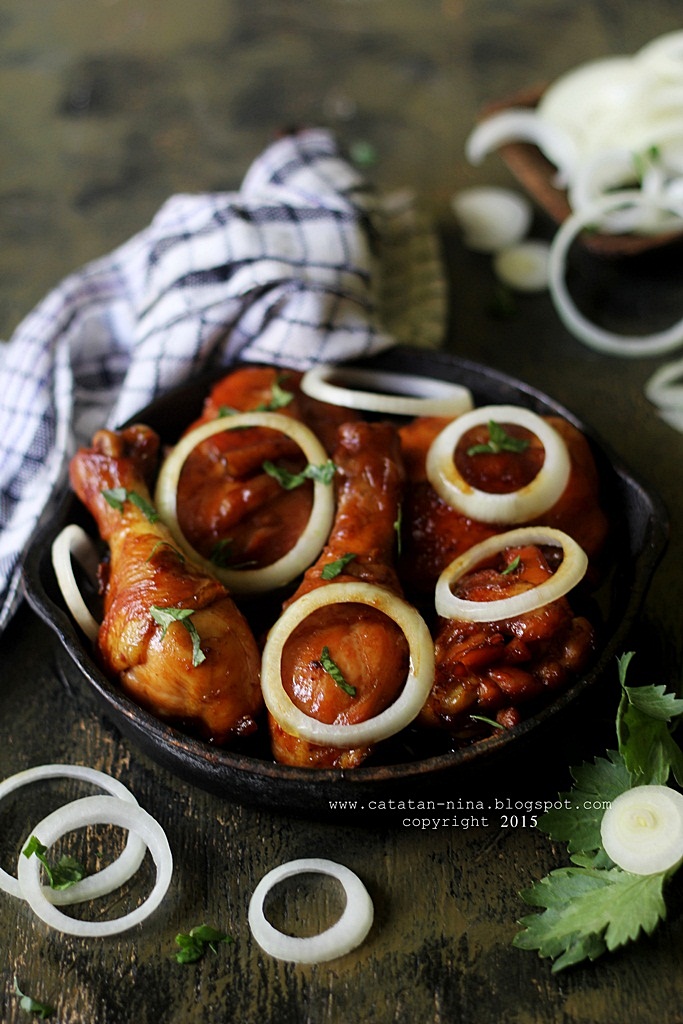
(537, 175)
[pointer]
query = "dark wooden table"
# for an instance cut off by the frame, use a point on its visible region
(107, 109)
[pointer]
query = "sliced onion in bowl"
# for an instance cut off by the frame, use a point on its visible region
(393, 393)
(387, 723)
(96, 810)
(311, 541)
(109, 877)
(74, 542)
(570, 572)
(343, 936)
(518, 506)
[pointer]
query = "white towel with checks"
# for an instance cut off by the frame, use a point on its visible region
(304, 264)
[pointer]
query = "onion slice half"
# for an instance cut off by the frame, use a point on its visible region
(108, 878)
(95, 810)
(571, 571)
(343, 936)
(74, 542)
(311, 541)
(598, 338)
(642, 829)
(523, 125)
(387, 723)
(519, 506)
(401, 394)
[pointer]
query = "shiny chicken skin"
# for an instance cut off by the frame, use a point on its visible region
(491, 668)
(435, 534)
(369, 648)
(229, 507)
(205, 677)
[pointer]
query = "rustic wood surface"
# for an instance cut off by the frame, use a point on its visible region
(106, 109)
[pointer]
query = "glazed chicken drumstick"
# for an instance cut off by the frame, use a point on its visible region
(367, 647)
(171, 634)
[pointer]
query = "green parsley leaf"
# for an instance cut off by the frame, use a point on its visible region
(30, 1005)
(62, 875)
(577, 822)
(117, 496)
(594, 905)
(165, 616)
(499, 441)
(289, 481)
(645, 718)
(333, 569)
(514, 564)
(194, 944)
(279, 398)
(588, 911)
(335, 672)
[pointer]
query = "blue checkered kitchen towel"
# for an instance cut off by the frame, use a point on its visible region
(303, 264)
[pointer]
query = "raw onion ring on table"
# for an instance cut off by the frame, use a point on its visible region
(580, 326)
(96, 810)
(311, 541)
(343, 936)
(108, 878)
(74, 541)
(388, 722)
(413, 395)
(642, 829)
(571, 571)
(518, 506)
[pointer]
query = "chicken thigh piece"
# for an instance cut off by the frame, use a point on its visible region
(170, 633)
(369, 649)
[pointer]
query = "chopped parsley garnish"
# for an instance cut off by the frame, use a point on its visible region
(31, 1005)
(117, 496)
(499, 441)
(333, 569)
(514, 564)
(594, 906)
(289, 481)
(220, 553)
(165, 616)
(279, 398)
(165, 544)
(333, 670)
(194, 944)
(62, 875)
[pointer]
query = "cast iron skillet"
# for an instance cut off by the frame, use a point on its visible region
(249, 775)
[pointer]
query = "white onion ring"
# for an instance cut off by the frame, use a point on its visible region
(491, 218)
(412, 395)
(663, 391)
(108, 878)
(387, 723)
(516, 506)
(343, 936)
(580, 326)
(523, 266)
(642, 829)
(74, 541)
(95, 810)
(570, 572)
(523, 125)
(311, 541)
